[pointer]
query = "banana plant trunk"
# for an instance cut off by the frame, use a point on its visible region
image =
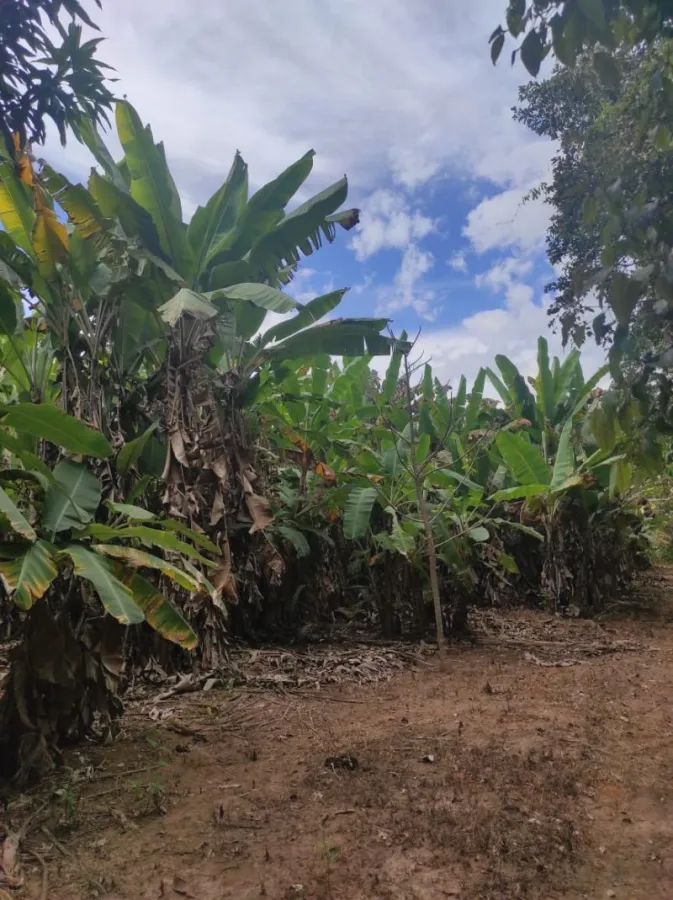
(62, 686)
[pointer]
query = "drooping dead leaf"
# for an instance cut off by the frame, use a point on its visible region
(323, 471)
(222, 578)
(260, 511)
(250, 473)
(111, 646)
(275, 567)
(178, 447)
(221, 469)
(258, 506)
(217, 511)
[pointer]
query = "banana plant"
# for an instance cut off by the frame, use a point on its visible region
(65, 551)
(225, 268)
(338, 421)
(534, 475)
(78, 282)
(129, 277)
(546, 399)
(49, 519)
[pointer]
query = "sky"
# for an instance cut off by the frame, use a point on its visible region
(400, 96)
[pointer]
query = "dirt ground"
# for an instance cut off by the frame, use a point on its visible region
(536, 763)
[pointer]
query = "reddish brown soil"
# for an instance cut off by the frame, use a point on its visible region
(540, 782)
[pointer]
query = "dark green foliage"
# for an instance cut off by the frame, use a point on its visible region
(42, 78)
(611, 235)
(566, 28)
(265, 488)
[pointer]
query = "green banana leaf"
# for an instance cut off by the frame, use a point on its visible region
(41, 420)
(153, 188)
(522, 459)
(219, 215)
(116, 598)
(72, 499)
(357, 511)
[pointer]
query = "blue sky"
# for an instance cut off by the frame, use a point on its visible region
(400, 96)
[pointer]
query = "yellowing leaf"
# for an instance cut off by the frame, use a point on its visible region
(16, 207)
(76, 200)
(28, 577)
(22, 160)
(15, 517)
(50, 238)
(141, 559)
(159, 613)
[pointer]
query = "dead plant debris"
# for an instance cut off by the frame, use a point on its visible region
(522, 769)
(548, 641)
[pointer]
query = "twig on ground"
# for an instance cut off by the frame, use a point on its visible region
(104, 776)
(184, 730)
(59, 846)
(28, 824)
(308, 695)
(99, 794)
(338, 812)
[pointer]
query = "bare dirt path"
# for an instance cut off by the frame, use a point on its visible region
(500, 777)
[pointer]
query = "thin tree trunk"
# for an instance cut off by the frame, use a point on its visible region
(432, 565)
(425, 519)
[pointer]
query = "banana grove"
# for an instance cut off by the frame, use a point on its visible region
(174, 473)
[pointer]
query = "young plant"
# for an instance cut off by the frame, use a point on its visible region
(65, 550)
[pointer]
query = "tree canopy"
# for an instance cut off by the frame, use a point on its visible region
(611, 234)
(566, 28)
(43, 79)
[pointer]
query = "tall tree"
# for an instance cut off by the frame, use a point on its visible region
(42, 78)
(611, 235)
(566, 28)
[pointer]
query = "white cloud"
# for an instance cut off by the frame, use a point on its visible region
(406, 290)
(364, 285)
(308, 284)
(388, 221)
(411, 169)
(465, 348)
(504, 273)
(384, 89)
(506, 221)
(304, 273)
(458, 262)
(513, 331)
